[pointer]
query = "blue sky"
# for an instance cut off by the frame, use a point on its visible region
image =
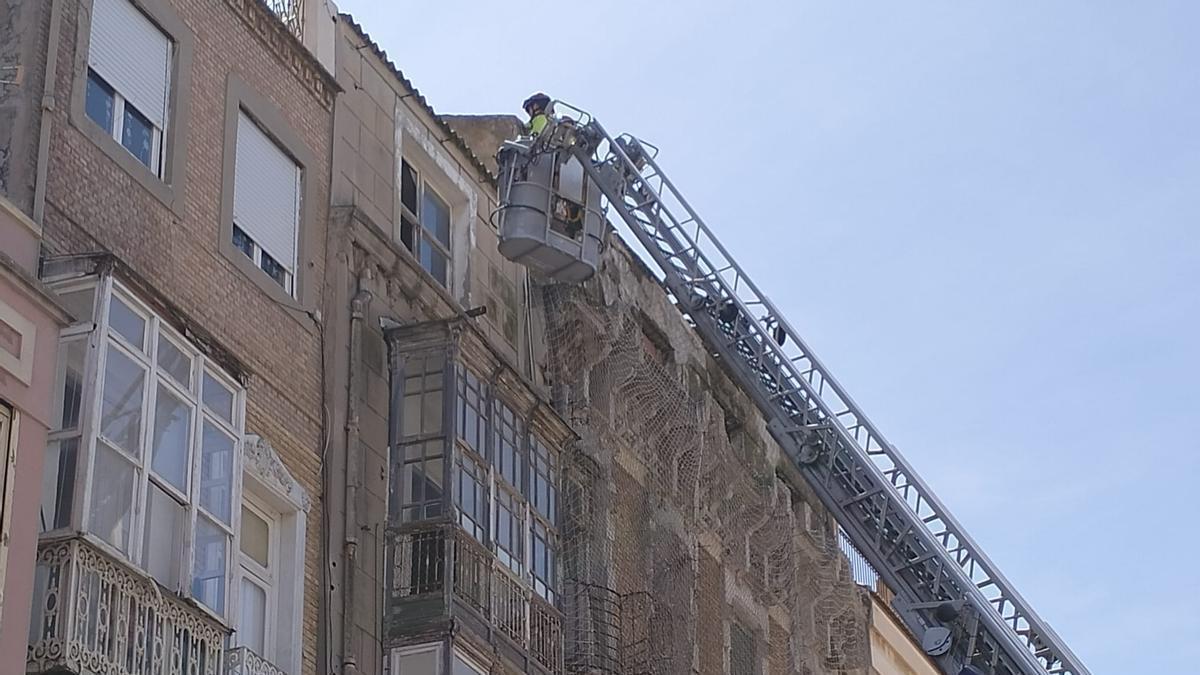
(992, 209)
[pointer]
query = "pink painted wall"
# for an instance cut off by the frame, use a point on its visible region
(31, 402)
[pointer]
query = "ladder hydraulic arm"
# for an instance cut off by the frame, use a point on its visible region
(950, 595)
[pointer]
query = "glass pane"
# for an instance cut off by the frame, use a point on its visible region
(69, 394)
(208, 568)
(121, 407)
(252, 628)
(100, 101)
(435, 217)
(123, 321)
(216, 471)
(433, 261)
(111, 509)
(218, 398)
(408, 187)
(79, 303)
(242, 242)
(169, 445)
(137, 135)
(462, 667)
(175, 362)
(256, 537)
(58, 484)
(162, 540)
(275, 270)
(421, 663)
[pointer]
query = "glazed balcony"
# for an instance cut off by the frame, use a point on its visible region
(439, 573)
(93, 613)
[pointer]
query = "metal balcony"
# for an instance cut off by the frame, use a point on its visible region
(291, 12)
(93, 613)
(242, 661)
(439, 572)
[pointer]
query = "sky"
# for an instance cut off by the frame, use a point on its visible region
(983, 217)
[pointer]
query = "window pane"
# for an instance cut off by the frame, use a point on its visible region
(121, 407)
(111, 509)
(275, 270)
(435, 217)
(175, 362)
(69, 393)
(123, 321)
(162, 540)
(137, 135)
(471, 497)
(218, 398)
(508, 457)
(170, 443)
(242, 242)
(461, 667)
(408, 187)
(58, 484)
(208, 568)
(79, 303)
(100, 101)
(434, 262)
(421, 663)
(216, 471)
(256, 537)
(252, 628)
(472, 398)
(408, 233)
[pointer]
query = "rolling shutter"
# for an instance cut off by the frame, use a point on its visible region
(266, 193)
(132, 55)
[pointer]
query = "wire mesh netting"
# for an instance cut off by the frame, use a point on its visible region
(684, 551)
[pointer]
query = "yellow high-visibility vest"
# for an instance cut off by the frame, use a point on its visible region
(538, 123)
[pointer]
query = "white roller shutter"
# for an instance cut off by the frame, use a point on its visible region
(132, 55)
(266, 193)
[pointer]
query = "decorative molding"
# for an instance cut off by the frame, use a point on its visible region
(274, 33)
(264, 463)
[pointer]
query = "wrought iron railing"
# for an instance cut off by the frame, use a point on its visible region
(419, 563)
(93, 613)
(291, 12)
(243, 661)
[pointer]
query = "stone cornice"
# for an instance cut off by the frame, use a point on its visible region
(273, 33)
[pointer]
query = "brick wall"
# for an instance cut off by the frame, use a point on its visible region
(94, 204)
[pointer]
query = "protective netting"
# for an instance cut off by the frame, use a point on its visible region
(684, 551)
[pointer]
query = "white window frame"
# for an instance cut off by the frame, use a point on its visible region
(399, 653)
(267, 578)
(269, 488)
(158, 134)
(421, 236)
(256, 250)
(100, 338)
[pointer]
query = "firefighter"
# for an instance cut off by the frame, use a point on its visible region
(537, 107)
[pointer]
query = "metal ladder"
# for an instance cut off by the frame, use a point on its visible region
(942, 580)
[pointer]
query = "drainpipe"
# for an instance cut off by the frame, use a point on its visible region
(47, 107)
(358, 313)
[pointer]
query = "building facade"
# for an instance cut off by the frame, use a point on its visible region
(174, 157)
(290, 411)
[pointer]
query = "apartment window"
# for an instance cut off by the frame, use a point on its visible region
(419, 660)
(423, 441)
(266, 203)
(128, 79)
(510, 529)
(544, 560)
(425, 223)
(259, 562)
(155, 433)
(508, 436)
(472, 411)
(471, 496)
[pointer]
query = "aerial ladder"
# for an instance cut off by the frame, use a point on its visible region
(952, 598)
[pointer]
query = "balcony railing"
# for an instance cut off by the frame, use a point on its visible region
(291, 12)
(242, 661)
(95, 614)
(479, 581)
